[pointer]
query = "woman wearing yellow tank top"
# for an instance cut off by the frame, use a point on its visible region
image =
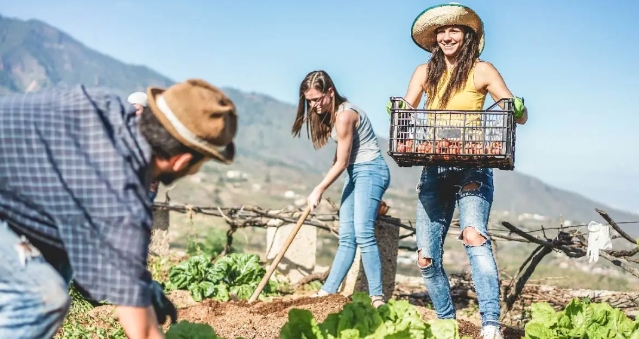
(455, 79)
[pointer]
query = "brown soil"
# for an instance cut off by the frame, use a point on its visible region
(258, 320)
(262, 320)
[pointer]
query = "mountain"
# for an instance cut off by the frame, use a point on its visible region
(35, 55)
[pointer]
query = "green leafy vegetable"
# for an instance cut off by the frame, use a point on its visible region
(188, 330)
(359, 320)
(237, 273)
(580, 319)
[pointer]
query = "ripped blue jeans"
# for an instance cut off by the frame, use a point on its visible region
(472, 191)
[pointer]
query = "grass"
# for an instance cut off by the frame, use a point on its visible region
(80, 323)
(83, 323)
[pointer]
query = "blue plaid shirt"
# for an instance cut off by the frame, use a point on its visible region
(74, 173)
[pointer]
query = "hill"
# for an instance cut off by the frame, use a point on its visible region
(35, 55)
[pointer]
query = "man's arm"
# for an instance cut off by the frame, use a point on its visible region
(112, 267)
(492, 81)
(139, 322)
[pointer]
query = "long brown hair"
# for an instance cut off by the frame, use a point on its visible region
(466, 57)
(318, 126)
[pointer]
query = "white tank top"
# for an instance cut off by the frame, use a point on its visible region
(365, 147)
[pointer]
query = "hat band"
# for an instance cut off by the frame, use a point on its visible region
(183, 131)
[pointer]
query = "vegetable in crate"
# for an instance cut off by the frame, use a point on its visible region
(455, 79)
(405, 146)
(401, 147)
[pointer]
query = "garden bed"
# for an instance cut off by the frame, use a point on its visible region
(264, 320)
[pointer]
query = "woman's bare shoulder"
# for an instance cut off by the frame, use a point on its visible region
(485, 70)
(485, 67)
(487, 75)
(420, 73)
(423, 68)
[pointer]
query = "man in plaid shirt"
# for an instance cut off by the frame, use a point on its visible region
(75, 169)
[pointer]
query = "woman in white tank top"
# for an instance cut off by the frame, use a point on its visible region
(328, 114)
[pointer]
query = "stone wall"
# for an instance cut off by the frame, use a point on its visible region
(299, 259)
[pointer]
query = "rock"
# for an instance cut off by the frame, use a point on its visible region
(299, 259)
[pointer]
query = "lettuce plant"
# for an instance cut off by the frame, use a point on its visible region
(580, 319)
(237, 273)
(359, 320)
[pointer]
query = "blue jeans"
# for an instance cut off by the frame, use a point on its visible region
(34, 296)
(365, 185)
(438, 191)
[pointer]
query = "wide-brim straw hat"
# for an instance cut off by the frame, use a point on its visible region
(199, 115)
(425, 25)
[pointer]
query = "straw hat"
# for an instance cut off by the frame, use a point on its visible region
(138, 98)
(427, 22)
(199, 115)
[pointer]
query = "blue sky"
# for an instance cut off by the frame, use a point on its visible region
(575, 63)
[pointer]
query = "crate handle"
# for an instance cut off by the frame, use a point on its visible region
(395, 105)
(510, 103)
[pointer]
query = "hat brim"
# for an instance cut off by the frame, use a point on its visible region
(226, 155)
(424, 28)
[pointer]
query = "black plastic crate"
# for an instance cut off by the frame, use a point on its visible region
(453, 138)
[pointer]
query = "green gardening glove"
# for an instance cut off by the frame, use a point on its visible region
(402, 105)
(519, 107)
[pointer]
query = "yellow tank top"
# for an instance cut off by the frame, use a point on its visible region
(466, 99)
